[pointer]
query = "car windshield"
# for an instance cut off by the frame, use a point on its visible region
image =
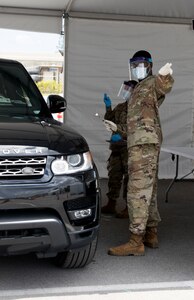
(19, 96)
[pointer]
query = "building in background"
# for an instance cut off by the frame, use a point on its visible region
(46, 69)
(46, 72)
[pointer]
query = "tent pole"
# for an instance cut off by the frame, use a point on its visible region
(66, 44)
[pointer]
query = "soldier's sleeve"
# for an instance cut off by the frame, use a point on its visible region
(163, 84)
(122, 126)
(110, 114)
(122, 130)
(160, 100)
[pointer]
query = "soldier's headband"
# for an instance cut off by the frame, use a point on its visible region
(135, 59)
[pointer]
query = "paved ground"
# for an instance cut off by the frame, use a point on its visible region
(153, 295)
(174, 260)
(165, 272)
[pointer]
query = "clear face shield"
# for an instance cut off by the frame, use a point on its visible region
(139, 67)
(126, 89)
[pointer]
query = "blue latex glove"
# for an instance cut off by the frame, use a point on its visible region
(116, 137)
(107, 100)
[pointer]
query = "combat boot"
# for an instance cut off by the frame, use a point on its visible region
(151, 237)
(123, 214)
(109, 208)
(134, 247)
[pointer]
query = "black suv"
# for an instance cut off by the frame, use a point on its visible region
(49, 194)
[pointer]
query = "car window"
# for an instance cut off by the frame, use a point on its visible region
(19, 96)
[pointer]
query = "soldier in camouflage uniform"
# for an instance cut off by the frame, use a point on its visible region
(144, 142)
(117, 162)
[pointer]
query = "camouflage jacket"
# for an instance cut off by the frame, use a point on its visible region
(143, 121)
(119, 116)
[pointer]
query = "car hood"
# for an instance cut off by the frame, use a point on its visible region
(54, 137)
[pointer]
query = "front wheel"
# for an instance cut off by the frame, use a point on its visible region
(77, 258)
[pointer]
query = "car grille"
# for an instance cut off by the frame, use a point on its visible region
(80, 203)
(25, 167)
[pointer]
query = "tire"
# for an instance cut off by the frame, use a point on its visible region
(77, 258)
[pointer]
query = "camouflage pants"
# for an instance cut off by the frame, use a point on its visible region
(142, 187)
(117, 174)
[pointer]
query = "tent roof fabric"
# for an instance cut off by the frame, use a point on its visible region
(46, 16)
(147, 8)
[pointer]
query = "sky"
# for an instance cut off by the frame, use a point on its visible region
(16, 41)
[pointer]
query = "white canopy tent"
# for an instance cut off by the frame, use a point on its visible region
(100, 36)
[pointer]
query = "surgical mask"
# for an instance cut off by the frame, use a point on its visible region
(140, 72)
(139, 68)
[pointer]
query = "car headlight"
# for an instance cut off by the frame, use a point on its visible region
(72, 164)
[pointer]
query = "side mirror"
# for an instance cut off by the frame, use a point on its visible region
(56, 103)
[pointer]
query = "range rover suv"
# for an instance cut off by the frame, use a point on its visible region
(49, 195)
